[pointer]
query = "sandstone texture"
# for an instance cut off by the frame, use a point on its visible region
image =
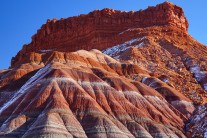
(86, 94)
(108, 74)
(99, 29)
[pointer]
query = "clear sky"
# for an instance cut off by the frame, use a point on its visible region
(20, 19)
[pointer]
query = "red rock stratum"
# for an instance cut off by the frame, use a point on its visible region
(107, 74)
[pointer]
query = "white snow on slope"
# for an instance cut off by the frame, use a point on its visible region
(112, 51)
(31, 82)
(199, 75)
(144, 79)
(127, 30)
(45, 51)
(139, 45)
(196, 70)
(205, 134)
(198, 122)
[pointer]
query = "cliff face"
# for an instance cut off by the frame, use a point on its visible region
(88, 94)
(99, 29)
(143, 79)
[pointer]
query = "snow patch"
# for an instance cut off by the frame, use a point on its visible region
(198, 122)
(201, 109)
(130, 29)
(200, 75)
(199, 117)
(165, 80)
(195, 69)
(31, 82)
(144, 79)
(45, 51)
(139, 45)
(122, 47)
(205, 134)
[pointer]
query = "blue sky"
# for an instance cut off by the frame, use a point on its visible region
(20, 19)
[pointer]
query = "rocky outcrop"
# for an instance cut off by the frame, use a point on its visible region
(197, 125)
(86, 94)
(166, 51)
(143, 79)
(99, 29)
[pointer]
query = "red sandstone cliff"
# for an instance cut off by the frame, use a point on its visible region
(99, 29)
(145, 82)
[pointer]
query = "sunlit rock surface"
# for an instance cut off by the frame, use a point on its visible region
(85, 97)
(107, 74)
